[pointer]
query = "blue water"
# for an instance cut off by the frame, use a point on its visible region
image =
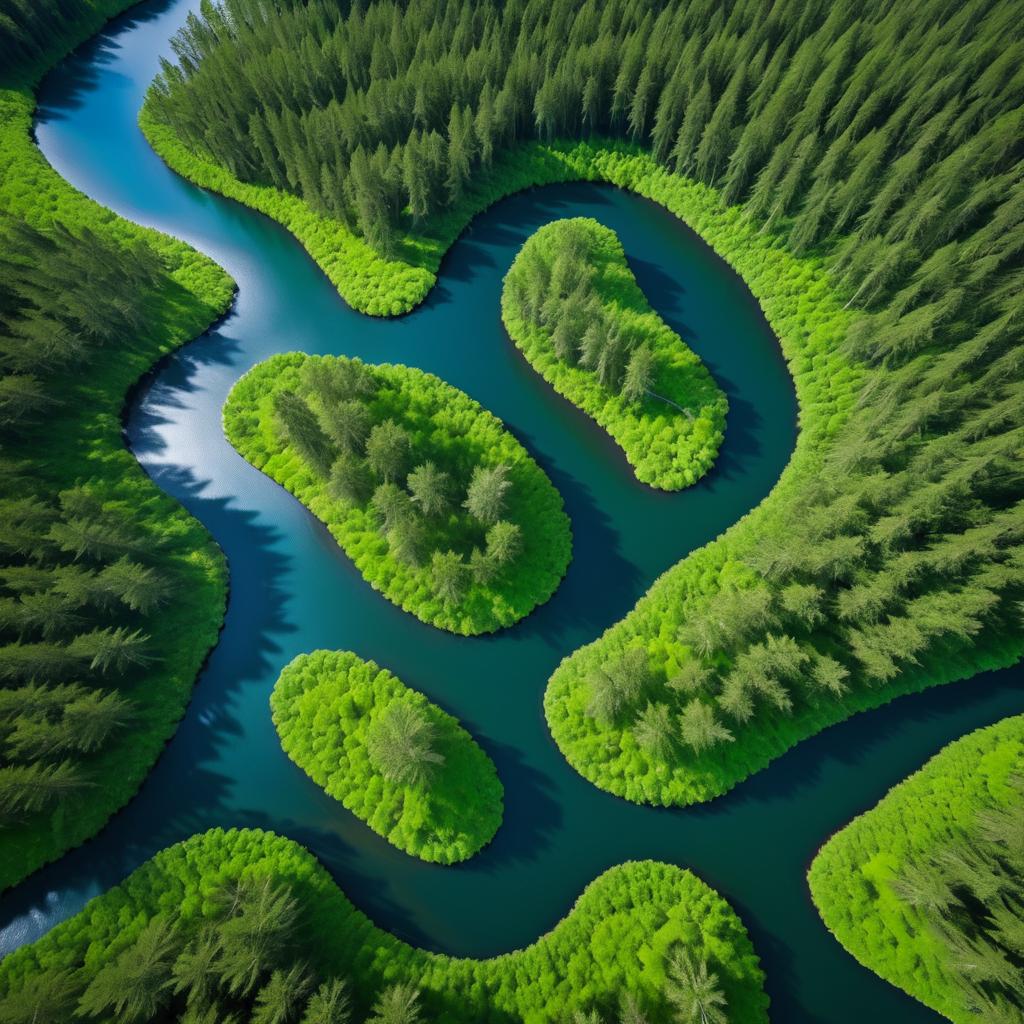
(294, 591)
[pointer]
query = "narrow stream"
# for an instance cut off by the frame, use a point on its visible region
(294, 591)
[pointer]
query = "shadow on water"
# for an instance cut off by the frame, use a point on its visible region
(532, 812)
(292, 590)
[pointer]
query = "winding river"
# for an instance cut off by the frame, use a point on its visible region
(292, 590)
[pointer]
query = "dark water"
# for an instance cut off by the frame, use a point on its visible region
(293, 591)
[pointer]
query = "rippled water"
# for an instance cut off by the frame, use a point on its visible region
(293, 590)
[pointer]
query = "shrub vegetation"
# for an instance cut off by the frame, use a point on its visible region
(572, 306)
(927, 888)
(393, 758)
(236, 911)
(110, 594)
(440, 508)
(858, 165)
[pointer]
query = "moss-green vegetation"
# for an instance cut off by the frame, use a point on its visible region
(439, 506)
(636, 930)
(927, 888)
(572, 306)
(110, 594)
(393, 758)
(866, 197)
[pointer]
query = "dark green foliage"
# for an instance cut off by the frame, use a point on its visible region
(36, 33)
(438, 505)
(571, 303)
(110, 595)
(927, 888)
(253, 923)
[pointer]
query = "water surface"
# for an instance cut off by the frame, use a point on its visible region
(294, 591)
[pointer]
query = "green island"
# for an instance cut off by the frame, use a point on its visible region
(886, 558)
(927, 887)
(437, 504)
(572, 306)
(644, 936)
(111, 595)
(394, 759)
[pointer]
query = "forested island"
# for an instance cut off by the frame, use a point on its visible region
(572, 306)
(927, 888)
(440, 508)
(393, 758)
(859, 166)
(872, 226)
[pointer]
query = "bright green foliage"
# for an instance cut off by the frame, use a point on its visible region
(110, 593)
(394, 759)
(619, 362)
(621, 940)
(927, 888)
(396, 504)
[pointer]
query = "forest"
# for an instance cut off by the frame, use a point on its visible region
(392, 757)
(645, 943)
(927, 887)
(440, 508)
(858, 165)
(572, 306)
(110, 595)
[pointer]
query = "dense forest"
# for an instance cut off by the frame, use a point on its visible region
(441, 509)
(860, 165)
(571, 304)
(393, 758)
(227, 916)
(927, 888)
(110, 595)
(34, 33)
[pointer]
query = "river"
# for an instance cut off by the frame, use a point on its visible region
(293, 590)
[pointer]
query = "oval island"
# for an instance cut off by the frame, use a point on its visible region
(393, 758)
(440, 507)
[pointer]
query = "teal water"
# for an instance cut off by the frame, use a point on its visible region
(294, 591)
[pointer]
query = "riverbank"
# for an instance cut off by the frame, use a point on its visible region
(82, 444)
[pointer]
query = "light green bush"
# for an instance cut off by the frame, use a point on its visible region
(614, 940)
(324, 706)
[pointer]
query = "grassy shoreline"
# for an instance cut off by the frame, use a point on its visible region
(810, 319)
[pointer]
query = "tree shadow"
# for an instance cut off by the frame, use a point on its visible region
(63, 88)
(532, 815)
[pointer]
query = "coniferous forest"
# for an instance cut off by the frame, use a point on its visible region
(858, 166)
